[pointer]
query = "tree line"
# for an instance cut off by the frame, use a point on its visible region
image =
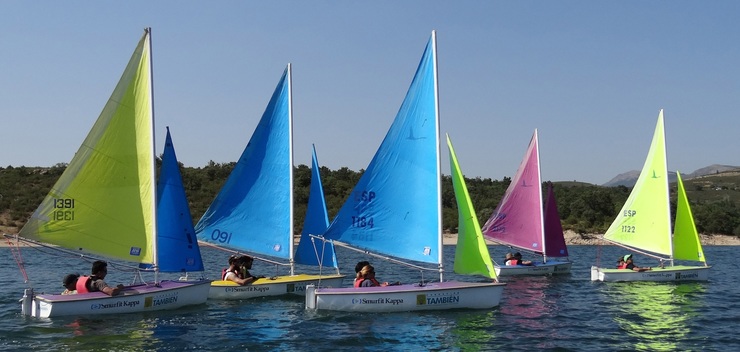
(584, 208)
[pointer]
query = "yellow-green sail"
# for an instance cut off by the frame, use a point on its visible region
(644, 221)
(103, 204)
(686, 244)
(471, 253)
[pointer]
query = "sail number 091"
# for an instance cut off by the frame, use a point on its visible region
(221, 236)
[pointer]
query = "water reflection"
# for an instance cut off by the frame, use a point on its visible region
(530, 307)
(474, 331)
(655, 315)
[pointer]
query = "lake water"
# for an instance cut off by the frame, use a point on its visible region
(567, 313)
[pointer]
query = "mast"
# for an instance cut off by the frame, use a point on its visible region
(440, 244)
(290, 152)
(148, 32)
(539, 191)
(667, 185)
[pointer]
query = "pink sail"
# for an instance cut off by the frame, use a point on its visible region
(518, 219)
(554, 239)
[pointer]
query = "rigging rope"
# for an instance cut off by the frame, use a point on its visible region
(16, 250)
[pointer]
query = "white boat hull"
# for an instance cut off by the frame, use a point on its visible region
(134, 299)
(404, 298)
(281, 285)
(674, 273)
(538, 269)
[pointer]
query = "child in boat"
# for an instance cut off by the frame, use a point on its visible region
(238, 270)
(621, 264)
(510, 260)
(96, 281)
(520, 261)
(631, 265)
(366, 278)
(358, 268)
(70, 284)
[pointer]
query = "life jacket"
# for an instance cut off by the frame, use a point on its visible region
(226, 271)
(358, 283)
(81, 285)
(622, 266)
(513, 261)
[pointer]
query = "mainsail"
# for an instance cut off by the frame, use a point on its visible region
(518, 219)
(253, 212)
(178, 249)
(395, 207)
(104, 202)
(644, 221)
(316, 223)
(471, 252)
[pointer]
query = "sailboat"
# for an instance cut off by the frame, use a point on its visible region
(520, 221)
(253, 212)
(105, 204)
(644, 225)
(395, 211)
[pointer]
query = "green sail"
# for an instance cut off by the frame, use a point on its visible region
(103, 203)
(644, 221)
(686, 245)
(471, 252)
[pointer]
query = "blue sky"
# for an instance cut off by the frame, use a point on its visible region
(591, 76)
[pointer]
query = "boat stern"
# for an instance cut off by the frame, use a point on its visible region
(596, 274)
(311, 297)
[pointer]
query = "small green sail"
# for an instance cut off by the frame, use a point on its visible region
(644, 221)
(686, 244)
(104, 203)
(471, 253)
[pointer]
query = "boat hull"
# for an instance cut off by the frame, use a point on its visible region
(404, 298)
(281, 285)
(134, 299)
(537, 269)
(674, 273)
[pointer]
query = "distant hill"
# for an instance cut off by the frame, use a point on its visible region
(628, 179)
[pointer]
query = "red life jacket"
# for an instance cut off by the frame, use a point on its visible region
(513, 261)
(622, 266)
(358, 282)
(81, 285)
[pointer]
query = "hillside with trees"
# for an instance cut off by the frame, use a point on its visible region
(584, 208)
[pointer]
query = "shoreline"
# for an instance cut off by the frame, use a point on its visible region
(593, 239)
(571, 238)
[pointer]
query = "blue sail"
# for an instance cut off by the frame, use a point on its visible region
(317, 220)
(394, 208)
(253, 210)
(177, 246)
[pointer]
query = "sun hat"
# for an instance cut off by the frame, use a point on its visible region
(627, 256)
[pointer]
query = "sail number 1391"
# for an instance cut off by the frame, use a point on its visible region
(64, 209)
